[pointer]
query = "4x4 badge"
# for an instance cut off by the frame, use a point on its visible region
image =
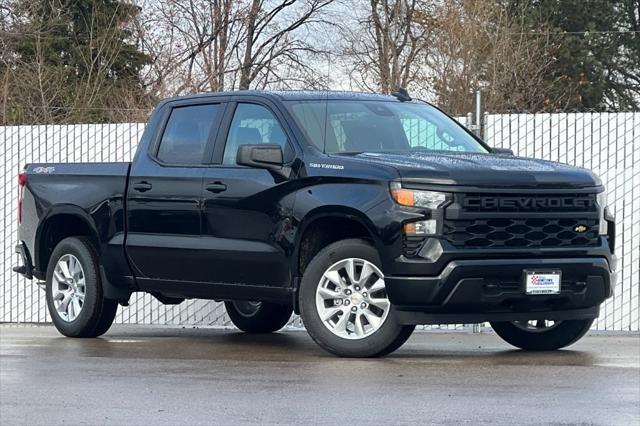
(580, 228)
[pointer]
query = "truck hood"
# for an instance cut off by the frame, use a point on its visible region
(482, 170)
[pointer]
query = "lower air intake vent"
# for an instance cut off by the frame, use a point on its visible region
(411, 246)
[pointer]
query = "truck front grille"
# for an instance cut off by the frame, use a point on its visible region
(521, 232)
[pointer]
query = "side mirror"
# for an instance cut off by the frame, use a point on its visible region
(263, 156)
(502, 151)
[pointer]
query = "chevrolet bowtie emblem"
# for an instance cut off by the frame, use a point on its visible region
(580, 228)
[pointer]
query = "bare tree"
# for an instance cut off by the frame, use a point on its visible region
(479, 45)
(386, 49)
(442, 49)
(213, 45)
(448, 50)
(191, 44)
(272, 40)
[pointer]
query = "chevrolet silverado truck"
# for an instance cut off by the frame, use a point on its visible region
(365, 214)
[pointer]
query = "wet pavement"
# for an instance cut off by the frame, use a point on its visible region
(159, 375)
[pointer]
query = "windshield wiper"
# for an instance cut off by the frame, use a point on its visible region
(348, 153)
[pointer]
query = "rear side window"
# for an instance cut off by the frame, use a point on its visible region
(186, 133)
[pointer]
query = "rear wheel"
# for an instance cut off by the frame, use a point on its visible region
(542, 335)
(74, 290)
(258, 317)
(344, 304)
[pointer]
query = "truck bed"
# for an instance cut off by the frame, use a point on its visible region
(92, 191)
(82, 184)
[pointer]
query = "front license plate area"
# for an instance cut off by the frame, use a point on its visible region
(542, 282)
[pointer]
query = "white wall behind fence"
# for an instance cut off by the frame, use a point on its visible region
(607, 143)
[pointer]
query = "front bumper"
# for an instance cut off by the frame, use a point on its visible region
(480, 290)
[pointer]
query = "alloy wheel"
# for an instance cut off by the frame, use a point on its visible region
(68, 287)
(351, 299)
(247, 308)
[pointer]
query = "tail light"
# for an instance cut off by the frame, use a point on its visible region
(22, 181)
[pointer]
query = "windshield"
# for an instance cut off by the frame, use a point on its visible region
(341, 126)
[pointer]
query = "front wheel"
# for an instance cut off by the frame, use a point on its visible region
(258, 317)
(542, 335)
(344, 304)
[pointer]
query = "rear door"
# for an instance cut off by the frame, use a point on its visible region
(165, 194)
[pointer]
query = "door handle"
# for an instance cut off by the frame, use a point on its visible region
(142, 186)
(216, 187)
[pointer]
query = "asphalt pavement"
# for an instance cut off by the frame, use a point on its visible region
(149, 375)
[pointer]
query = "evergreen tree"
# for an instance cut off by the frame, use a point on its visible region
(77, 60)
(597, 44)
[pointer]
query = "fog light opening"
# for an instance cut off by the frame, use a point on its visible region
(431, 250)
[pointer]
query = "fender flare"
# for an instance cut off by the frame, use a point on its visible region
(59, 210)
(330, 211)
(308, 220)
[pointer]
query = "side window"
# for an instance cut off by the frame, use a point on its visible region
(186, 133)
(252, 124)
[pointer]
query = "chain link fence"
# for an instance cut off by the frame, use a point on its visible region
(607, 143)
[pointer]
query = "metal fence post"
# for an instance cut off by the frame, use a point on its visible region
(478, 127)
(485, 125)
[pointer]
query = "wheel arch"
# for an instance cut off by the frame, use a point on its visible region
(59, 223)
(325, 225)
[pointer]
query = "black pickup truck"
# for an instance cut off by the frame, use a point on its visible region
(366, 214)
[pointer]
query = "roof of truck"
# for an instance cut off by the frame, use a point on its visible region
(294, 95)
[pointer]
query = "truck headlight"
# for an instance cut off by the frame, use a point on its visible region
(416, 198)
(602, 205)
(420, 228)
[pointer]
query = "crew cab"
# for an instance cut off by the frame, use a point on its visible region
(366, 214)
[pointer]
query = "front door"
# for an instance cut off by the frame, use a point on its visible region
(247, 210)
(165, 196)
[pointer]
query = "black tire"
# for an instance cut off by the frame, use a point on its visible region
(262, 317)
(389, 337)
(97, 313)
(561, 335)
